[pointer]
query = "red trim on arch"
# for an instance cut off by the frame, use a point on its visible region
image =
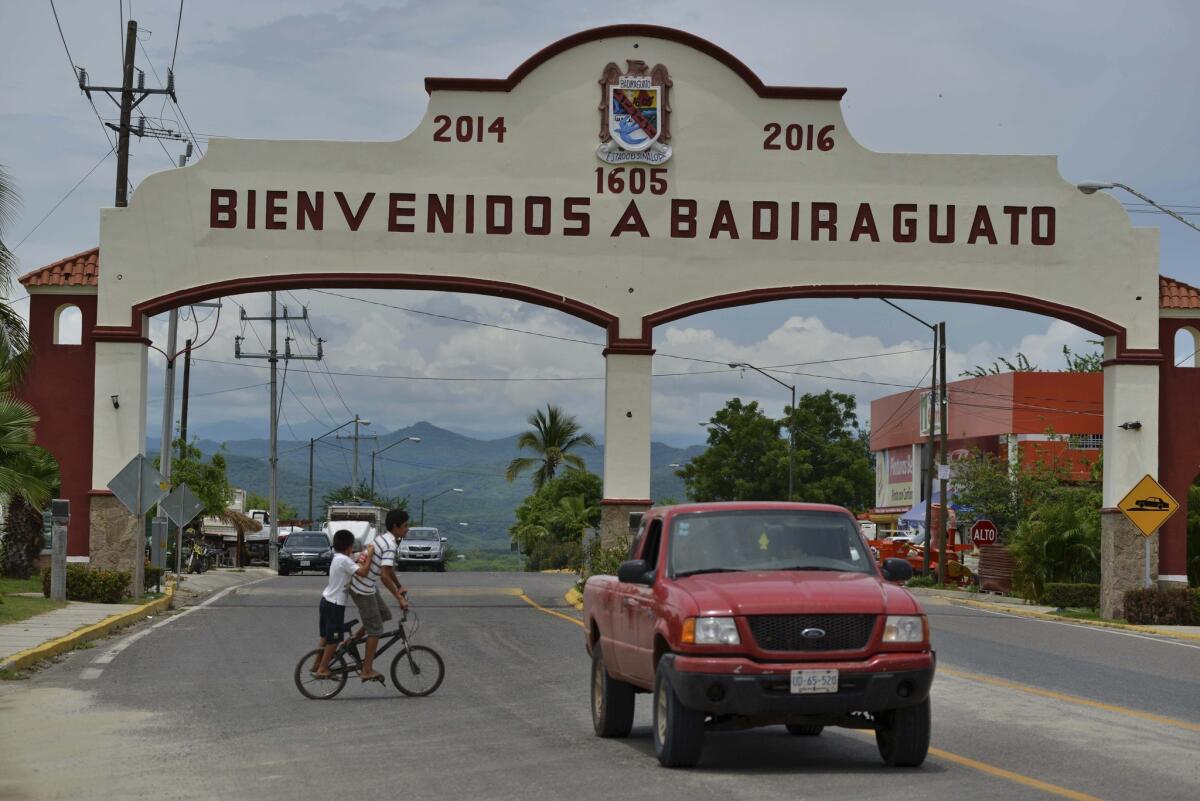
(626, 502)
(650, 31)
(237, 286)
(1083, 319)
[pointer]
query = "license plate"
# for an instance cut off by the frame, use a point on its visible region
(305, 563)
(814, 681)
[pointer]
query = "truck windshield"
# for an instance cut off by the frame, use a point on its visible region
(714, 542)
(308, 540)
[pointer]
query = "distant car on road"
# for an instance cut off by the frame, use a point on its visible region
(1153, 502)
(422, 546)
(305, 550)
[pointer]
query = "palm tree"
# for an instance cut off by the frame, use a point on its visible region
(14, 340)
(553, 436)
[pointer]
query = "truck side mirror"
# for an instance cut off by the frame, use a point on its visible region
(635, 571)
(897, 570)
(445, 539)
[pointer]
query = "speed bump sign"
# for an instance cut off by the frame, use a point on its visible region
(1148, 505)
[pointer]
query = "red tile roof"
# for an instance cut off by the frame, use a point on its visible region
(82, 269)
(1174, 294)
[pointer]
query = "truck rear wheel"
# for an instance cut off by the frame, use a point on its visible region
(678, 731)
(903, 735)
(612, 700)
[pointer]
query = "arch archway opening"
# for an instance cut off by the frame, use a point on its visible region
(68, 325)
(1187, 347)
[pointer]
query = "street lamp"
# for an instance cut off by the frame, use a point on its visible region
(311, 444)
(791, 436)
(430, 498)
(381, 450)
(1091, 187)
(939, 354)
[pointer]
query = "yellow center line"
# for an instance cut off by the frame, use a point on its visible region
(1070, 699)
(1001, 773)
(541, 608)
(966, 762)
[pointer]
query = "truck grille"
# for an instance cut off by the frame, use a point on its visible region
(783, 632)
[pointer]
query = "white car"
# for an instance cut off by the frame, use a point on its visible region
(423, 546)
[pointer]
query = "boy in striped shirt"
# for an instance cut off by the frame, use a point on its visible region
(364, 588)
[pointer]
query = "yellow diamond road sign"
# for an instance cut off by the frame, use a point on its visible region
(1148, 505)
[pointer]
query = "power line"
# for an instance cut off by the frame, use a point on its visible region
(178, 24)
(63, 199)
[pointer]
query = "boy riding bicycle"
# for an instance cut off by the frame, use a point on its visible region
(334, 598)
(378, 564)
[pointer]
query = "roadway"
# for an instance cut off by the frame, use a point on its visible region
(201, 705)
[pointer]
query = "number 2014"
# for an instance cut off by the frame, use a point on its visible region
(467, 129)
(797, 137)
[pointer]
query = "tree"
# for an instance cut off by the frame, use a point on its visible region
(286, 510)
(363, 494)
(746, 459)
(833, 455)
(747, 456)
(1002, 365)
(553, 437)
(23, 522)
(1076, 363)
(1084, 362)
(14, 338)
(550, 522)
(206, 479)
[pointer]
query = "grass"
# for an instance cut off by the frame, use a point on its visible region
(1085, 614)
(16, 608)
(9, 585)
(13, 675)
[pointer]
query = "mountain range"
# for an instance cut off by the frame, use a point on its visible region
(442, 461)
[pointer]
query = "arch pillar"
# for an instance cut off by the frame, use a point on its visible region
(627, 388)
(1131, 393)
(119, 435)
(1179, 442)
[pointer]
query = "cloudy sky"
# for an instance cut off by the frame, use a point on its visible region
(1108, 87)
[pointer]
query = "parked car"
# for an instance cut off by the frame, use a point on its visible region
(749, 614)
(305, 550)
(422, 546)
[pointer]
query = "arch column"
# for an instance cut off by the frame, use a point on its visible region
(1131, 393)
(1179, 441)
(627, 387)
(119, 435)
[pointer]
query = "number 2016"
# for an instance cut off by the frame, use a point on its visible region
(797, 137)
(467, 129)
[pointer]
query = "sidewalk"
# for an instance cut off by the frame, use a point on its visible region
(40, 637)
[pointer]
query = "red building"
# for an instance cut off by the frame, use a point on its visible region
(1052, 418)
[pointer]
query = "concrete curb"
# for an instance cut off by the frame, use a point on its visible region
(29, 657)
(1016, 610)
(575, 598)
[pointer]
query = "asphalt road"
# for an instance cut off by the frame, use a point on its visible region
(203, 707)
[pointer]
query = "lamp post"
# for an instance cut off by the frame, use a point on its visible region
(381, 450)
(791, 411)
(430, 498)
(311, 444)
(939, 353)
(1091, 187)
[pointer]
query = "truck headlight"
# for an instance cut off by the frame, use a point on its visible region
(711, 631)
(905, 628)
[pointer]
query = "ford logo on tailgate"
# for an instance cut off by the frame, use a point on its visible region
(813, 634)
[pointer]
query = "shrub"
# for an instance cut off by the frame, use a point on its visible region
(1160, 607)
(1080, 596)
(94, 586)
(153, 575)
(922, 581)
(1058, 542)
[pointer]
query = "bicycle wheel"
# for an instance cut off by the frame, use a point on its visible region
(320, 689)
(418, 671)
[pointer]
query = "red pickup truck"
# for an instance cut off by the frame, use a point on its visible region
(746, 614)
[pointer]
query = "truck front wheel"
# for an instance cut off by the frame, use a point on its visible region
(903, 735)
(612, 700)
(678, 731)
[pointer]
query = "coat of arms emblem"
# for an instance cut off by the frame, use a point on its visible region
(635, 114)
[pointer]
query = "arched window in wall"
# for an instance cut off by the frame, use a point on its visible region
(1187, 345)
(68, 325)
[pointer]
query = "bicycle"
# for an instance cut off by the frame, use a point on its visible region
(417, 671)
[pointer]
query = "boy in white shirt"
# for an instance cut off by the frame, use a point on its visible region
(334, 599)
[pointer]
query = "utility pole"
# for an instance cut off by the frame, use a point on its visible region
(273, 357)
(130, 97)
(168, 417)
(358, 421)
(187, 381)
(927, 461)
(943, 408)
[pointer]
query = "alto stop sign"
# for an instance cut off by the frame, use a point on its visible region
(984, 532)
